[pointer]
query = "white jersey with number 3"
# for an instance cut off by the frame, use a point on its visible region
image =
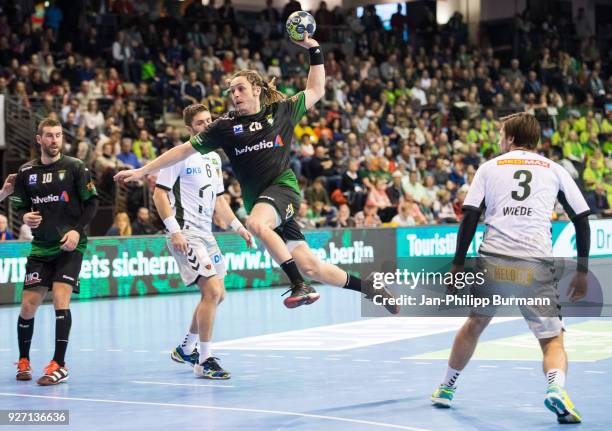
(194, 184)
(519, 190)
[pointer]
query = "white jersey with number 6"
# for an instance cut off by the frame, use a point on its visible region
(519, 190)
(194, 184)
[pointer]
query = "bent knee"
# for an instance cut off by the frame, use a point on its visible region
(255, 226)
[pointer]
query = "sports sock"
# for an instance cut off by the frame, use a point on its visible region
(451, 377)
(25, 330)
(63, 322)
(352, 283)
(189, 343)
(292, 271)
(204, 351)
(555, 376)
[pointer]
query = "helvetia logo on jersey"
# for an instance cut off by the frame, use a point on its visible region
(257, 147)
(63, 197)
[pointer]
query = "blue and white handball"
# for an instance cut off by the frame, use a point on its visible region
(300, 22)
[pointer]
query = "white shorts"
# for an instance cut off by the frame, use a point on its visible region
(203, 258)
(545, 327)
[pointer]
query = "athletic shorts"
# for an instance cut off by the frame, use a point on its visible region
(46, 270)
(286, 202)
(513, 277)
(203, 258)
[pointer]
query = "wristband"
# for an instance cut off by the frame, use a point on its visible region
(236, 225)
(172, 225)
(316, 55)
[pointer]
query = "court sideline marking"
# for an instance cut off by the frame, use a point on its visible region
(235, 409)
(145, 382)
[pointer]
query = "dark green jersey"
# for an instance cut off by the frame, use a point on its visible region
(258, 145)
(58, 191)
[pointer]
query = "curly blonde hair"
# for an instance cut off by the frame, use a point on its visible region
(269, 93)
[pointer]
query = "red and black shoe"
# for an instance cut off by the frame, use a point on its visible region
(301, 294)
(24, 370)
(54, 374)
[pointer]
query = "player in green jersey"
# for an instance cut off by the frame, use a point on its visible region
(256, 138)
(57, 200)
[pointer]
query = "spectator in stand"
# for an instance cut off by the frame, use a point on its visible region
(378, 196)
(414, 210)
(192, 90)
(93, 119)
(413, 186)
(394, 190)
(127, 156)
(343, 218)
(142, 225)
(443, 208)
(106, 167)
(317, 192)
(368, 217)
(5, 233)
(302, 218)
(121, 225)
(143, 147)
(403, 217)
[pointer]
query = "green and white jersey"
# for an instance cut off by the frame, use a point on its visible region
(258, 145)
(194, 184)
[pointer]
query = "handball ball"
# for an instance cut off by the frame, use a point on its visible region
(299, 22)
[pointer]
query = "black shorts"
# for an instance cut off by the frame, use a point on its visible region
(286, 202)
(61, 268)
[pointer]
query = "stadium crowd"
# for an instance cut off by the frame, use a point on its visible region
(408, 116)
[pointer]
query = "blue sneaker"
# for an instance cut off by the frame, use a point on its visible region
(178, 355)
(443, 396)
(210, 369)
(558, 402)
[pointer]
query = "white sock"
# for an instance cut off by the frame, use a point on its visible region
(189, 343)
(451, 377)
(556, 376)
(204, 351)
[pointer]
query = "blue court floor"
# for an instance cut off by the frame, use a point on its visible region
(320, 367)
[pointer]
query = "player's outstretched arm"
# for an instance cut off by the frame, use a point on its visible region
(315, 86)
(227, 216)
(169, 158)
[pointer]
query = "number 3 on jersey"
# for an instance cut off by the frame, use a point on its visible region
(524, 178)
